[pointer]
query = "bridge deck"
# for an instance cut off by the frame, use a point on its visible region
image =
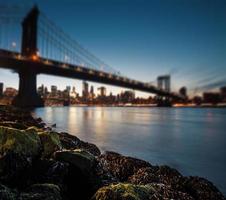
(15, 61)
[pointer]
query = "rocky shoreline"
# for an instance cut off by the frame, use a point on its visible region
(37, 163)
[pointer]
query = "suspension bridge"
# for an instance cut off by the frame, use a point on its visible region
(41, 47)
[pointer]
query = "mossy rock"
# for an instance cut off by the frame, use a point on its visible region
(50, 143)
(18, 148)
(123, 191)
(42, 192)
(7, 193)
(78, 158)
(23, 142)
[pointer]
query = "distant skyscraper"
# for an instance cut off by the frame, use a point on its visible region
(127, 96)
(103, 91)
(54, 90)
(85, 91)
(41, 90)
(73, 89)
(46, 91)
(183, 91)
(92, 95)
(68, 89)
(73, 92)
(1, 89)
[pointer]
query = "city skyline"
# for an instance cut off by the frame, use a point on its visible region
(185, 40)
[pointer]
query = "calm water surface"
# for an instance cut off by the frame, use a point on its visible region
(190, 140)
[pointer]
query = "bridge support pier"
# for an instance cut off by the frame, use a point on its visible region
(27, 94)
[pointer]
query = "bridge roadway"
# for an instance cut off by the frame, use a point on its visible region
(15, 61)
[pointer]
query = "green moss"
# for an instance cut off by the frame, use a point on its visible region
(24, 142)
(123, 191)
(50, 143)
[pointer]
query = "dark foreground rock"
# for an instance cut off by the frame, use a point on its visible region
(37, 163)
(41, 191)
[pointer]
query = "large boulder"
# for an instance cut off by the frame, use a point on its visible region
(49, 171)
(71, 142)
(42, 192)
(50, 143)
(78, 158)
(201, 188)
(121, 167)
(124, 191)
(81, 173)
(17, 150)
(24, 142)
(7, 193)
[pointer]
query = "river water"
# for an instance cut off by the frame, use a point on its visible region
(192, 140)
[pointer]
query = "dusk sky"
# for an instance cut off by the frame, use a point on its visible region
(145, 38)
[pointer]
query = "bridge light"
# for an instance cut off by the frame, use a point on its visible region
(34, 57)
(78, 69)
(18, 56)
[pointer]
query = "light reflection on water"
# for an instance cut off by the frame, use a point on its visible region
(191, 140)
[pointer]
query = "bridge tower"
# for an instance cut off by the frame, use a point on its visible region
(27, 94)
(163, 83)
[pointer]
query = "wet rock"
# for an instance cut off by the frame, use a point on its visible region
(7, 193)
(91, 148)
(81, 174)
(71, 142)
(168, 176)
(78, 158)
(167, 193)
(49, 171)
(121, 167)
(158, 174)
(42, 192)
(50, 143)
(201, 188)
(104, 175)
(144, 176)
(24, 142)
